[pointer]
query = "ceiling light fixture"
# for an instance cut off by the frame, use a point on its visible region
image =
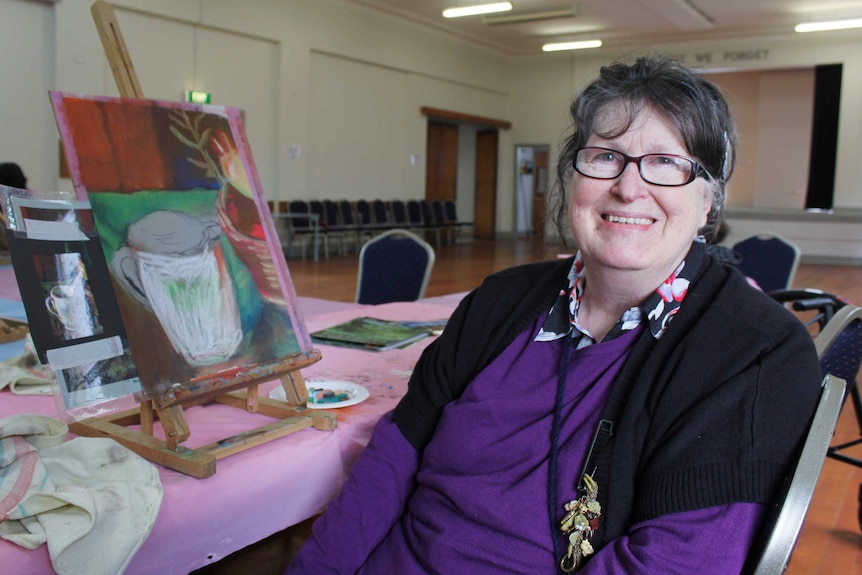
(833, 25)
(517, 17)
(477, 9)
(572, 45)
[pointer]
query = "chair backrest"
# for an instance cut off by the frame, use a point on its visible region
(381, 214)
(316, 207)
(363, 211)
(770, 260)
(414, 213)
(330, 213)
(839, 344)
(792, 510)
(345, 211)
(399, 212)
(394, 266)
(299, 207)
(451, 210)
(439, 211)
(427, 212)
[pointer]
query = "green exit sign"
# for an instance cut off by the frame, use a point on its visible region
(197, 97)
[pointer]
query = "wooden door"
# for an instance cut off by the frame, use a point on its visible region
(442, 166)
(485, 209)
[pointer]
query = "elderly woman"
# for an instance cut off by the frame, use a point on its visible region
(632, 410)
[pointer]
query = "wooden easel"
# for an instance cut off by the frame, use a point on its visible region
(240, 391)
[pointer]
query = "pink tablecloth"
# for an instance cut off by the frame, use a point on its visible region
(265, 489)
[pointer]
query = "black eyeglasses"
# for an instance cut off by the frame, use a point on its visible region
(659, 169)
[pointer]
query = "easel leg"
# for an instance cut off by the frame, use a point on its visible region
(295, 391)
(175, 425)
(252, 405)
(147, 417)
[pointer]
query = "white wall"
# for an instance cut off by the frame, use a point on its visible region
(344, 86)
(28, 135)
(780, 64)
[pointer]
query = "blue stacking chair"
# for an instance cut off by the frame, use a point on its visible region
(394, 266)
(770, 260)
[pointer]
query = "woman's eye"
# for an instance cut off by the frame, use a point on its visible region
(665, 161)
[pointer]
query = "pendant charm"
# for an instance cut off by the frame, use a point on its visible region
(579, 524)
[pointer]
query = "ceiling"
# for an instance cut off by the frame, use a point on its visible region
(617, 22)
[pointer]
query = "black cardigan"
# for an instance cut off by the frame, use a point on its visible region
(713, 413)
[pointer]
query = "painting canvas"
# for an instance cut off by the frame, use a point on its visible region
(201, 280)
(69, 300)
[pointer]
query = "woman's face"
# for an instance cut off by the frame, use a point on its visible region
(627, 223)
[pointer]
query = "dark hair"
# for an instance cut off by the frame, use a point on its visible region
(12, 175)
(688, 100)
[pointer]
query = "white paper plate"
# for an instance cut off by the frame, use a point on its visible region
(355, 392)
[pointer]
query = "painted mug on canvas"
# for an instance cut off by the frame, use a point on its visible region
(175, 265)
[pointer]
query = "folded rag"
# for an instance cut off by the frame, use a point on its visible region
(93, 501)
(23, 374)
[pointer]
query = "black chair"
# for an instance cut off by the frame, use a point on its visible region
(429, 222)
(793, 506)
(298, 227)
(415, 221)
(822, 305)
(316, 207)
(352, 228)
(332, 223)
(399, 213)
(414, 215)
(394, 266)
(442, 222)
(363, 215)
(768, 259)
(381, 214)
(451, 211)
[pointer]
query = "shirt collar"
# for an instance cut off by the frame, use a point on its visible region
(658, 308)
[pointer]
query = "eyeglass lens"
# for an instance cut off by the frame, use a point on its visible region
(659, 169)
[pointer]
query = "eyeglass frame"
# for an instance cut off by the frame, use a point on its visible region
(696, 169)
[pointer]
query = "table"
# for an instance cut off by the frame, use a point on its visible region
(270, 487)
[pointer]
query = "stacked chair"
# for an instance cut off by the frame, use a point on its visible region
(347, 225)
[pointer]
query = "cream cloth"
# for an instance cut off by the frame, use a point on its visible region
(93, 501)
(23, 374)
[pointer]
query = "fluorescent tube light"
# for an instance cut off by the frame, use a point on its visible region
(572, 45)
(528, 16)
(833, 25)
(477, 9)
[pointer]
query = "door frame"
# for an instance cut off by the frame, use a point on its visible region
(537, 188)
(463, 119)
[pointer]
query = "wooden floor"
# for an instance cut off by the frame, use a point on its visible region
(830, 542)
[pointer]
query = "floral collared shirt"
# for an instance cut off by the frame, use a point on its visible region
(658, 308)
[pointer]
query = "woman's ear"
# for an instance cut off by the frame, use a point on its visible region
(707, 204)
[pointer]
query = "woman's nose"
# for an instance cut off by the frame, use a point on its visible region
(629, 185)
